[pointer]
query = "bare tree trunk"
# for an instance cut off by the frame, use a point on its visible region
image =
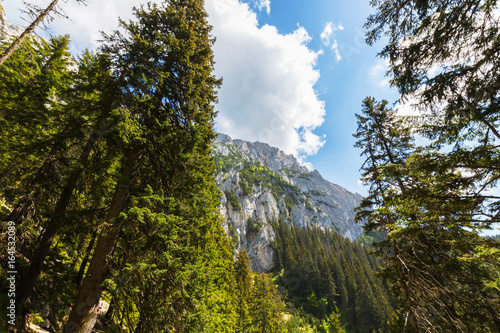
(90, 291)
(15, 45)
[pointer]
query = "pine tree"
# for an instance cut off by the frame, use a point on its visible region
(244, 285)
(87, 108)
(428, 237)
(333, 323)
(163, 66)
(442, 56)
(266, 306)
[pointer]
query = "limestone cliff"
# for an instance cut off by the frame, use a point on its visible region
(8, 29)
(260, 183)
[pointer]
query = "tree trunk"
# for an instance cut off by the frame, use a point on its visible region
(81, 271)
(90, 291)
(31, 274)
(15, 45)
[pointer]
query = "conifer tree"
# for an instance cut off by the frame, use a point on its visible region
(333, 323)
(429, 238)
(442, 57)
(163, 66)
(53, 109)
(244, 284)
(87, 107)
(266, 306)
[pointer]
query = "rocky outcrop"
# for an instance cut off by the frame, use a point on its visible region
(261, 184)
(7, 29)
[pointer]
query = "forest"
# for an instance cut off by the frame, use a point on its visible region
(108, 192)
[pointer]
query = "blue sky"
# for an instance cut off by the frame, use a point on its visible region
(295, 72)
(347, 71)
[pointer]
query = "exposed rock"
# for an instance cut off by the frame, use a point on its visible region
(263, 184)
(7, 29)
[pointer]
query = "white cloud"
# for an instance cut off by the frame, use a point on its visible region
(327, 33)
(328, 38)
(377, 72)
(264, 4)
(268, 89)
(335, 48)
(85, 21)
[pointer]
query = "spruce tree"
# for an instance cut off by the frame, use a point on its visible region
(244, 284)
(266, 306)
(163, 67)
(442, 57)
(431, 250)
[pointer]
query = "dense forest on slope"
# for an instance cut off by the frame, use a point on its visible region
(322, 273)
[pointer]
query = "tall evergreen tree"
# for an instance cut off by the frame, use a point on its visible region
(87, 107)
(442, 56)
(266, 306)
(163, 66)
(244, 284)
(431, 251)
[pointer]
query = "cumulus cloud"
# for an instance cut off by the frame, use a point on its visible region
(329, 40)
(264, 4)
(268, 90)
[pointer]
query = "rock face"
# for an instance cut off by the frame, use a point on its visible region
(7, 29)
(261, 184)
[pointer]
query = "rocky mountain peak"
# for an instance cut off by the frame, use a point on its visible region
(261, 184)
(272, 157)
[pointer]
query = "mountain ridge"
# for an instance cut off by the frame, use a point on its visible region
(261, 184)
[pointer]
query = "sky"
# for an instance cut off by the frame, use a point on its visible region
(294, 72)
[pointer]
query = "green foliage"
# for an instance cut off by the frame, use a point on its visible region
(233, 200)
(267, 306)
(424, 205)
(256, 174)
(333, 324)
(258, 305)
(244, 285)
(253, 227)
(320, 270)
(247, 190)
(144, 129)
(224, 163)
(433, 201)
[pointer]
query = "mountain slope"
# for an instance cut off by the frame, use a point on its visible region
(260, 183)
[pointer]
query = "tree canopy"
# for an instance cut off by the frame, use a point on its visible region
(434, 200)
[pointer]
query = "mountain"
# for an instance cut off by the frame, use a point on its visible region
(8, 29)
(261, 184)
